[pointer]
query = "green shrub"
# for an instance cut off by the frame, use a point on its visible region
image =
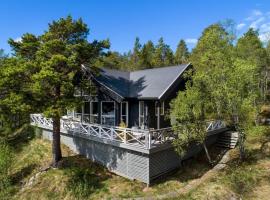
(243, 179)
(6, 157)
(82, 182)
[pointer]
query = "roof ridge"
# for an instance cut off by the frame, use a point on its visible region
(148, 69)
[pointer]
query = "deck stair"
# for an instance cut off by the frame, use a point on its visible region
(228, 139)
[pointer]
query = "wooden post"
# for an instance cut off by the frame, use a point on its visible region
(125, 136)
(147, 139)
(117, 114)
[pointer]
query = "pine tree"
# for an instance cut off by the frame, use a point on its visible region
(135, 56)
(48, 67)
(163, 54)
(181, 55)
(147, 55)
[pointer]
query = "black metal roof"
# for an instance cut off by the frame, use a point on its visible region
(142, 84)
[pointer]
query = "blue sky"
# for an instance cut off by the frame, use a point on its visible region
(122, 20)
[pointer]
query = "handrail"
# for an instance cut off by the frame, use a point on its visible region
(129, 136)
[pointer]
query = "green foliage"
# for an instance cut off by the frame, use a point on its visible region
(6, 160)
(82, 182)
(46, 66)
(163, 54)
(213, 49)
(223, 87)
(143, 56)
(181, 54)
(249, 47)
(243, 179)
(136, 53)
(147, 55)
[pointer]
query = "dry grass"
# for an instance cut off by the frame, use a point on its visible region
(79, 178)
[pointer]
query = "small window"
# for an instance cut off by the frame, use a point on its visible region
(161, 108)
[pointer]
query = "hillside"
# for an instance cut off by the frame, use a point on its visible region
(78, 178)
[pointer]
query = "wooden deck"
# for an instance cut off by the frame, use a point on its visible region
(125, 137)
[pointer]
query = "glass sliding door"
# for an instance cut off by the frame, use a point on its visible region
(86, 112)
(108, 113)
(124, 113)
(94, 112)
(141, 114)
(78, 113)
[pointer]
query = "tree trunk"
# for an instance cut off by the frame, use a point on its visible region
(207, 153)
(56, 148)
(241, 145)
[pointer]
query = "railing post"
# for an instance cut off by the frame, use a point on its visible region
(99, 131)
(125, 136)
(147, 139)
(89, 130)
(111, 136)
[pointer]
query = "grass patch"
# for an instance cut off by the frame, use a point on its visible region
(79, 178)
(242, 179)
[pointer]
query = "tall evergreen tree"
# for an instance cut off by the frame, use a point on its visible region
(181, 55)
(135, 56)
(163, 54)
(147, 55)
(49, 66)
(113, 60)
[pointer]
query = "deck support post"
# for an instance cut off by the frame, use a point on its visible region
(147, 140)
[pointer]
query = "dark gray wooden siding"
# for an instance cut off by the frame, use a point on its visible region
(141, 165)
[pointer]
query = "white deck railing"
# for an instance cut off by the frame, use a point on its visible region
(144, 138)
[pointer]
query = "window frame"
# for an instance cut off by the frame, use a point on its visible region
(114, 116)
(126, 114)
(161, 110)
(141, 123)
(91, 112)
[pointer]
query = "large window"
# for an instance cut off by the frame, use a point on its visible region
(161, 110)
(124, 112)
(141, 114)
(108, 113)
(78, 112)
(86, 112)
(94, 112)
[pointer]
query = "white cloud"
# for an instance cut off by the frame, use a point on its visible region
(240, 26)
(258, 20)
(191, 40)
(254, 14)
(264, 37)
(265, 27)
(19, 39)
(255, 24)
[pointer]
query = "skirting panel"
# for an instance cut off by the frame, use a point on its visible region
(128, 163)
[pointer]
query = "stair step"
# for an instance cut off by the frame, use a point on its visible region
(227, 140)
(228, 146)
(234, 134)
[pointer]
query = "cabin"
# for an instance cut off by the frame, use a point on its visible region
(137, 100)
(123, 123)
